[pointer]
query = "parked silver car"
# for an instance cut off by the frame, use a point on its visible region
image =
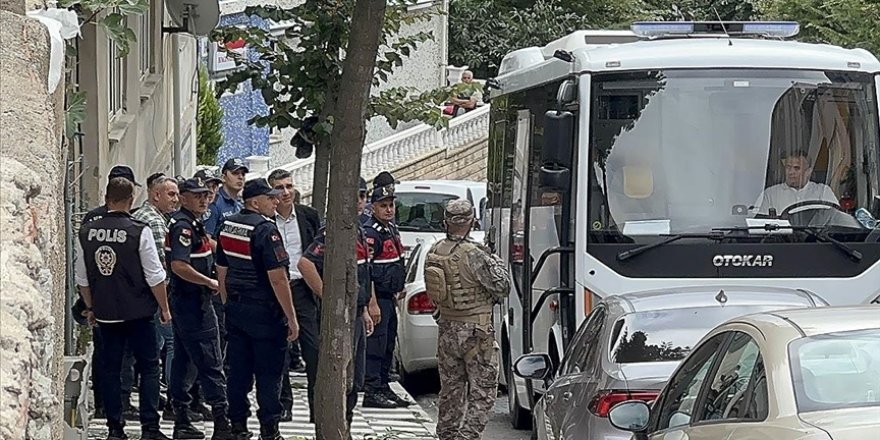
(787, 375)
(628, 347)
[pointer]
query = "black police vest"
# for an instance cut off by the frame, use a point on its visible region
(111, 252)
(246, 274)
(201, 257)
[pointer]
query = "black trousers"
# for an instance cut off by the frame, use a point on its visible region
(257, 349)
(196, 344)
(308, 314)
(141, 336)
(359, 359)
(380, 347)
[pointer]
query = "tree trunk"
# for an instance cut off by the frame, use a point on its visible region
(319, 178)
(340, 270)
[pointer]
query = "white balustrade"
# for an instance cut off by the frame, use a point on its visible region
(412, 143)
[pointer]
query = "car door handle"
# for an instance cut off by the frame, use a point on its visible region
(566, 395)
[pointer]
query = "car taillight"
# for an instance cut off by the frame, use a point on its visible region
(605, 400)
(420, 304)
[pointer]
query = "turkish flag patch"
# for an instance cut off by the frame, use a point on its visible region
(187, 232)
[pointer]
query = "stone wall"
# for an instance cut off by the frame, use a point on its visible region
(32, 240)
(467, 163)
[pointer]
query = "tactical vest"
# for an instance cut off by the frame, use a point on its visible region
(246, 276)
(111, 253)
(451, 285)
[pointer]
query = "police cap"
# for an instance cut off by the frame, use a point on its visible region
(194, 185)
(234, 164)
(258, 187)
(123, 171)
(382, 193)
(208, 176)
(459, 211)
(362, 185)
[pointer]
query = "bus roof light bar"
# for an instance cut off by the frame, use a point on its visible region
(667, 29)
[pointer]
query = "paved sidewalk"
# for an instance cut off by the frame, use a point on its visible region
(369, 423)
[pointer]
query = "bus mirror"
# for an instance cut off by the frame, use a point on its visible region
(558, 139)
(555, 178)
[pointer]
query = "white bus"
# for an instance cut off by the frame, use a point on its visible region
(680, 154)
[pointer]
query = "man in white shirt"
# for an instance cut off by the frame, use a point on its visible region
(298, 225)
(122, 283)
(796, 188)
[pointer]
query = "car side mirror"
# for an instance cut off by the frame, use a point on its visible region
(630, 415)
(536, 366)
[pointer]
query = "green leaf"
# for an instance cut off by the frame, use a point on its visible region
(118, 32)
(134, 7)
(75, 113)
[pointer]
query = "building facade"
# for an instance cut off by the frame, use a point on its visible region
(141, 108)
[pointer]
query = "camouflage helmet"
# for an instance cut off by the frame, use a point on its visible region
(459, 211)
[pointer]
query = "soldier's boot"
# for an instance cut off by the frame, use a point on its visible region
(373, 399)
(183, 427)
(241, 431)
(270, 432)
(390, 395)
(117, 433)
(222, 429)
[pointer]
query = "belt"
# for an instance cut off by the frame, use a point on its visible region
(255, 301)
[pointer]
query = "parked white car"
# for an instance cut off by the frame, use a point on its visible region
(420, 205)
(416, 328)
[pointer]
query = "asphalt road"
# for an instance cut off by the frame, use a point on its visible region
(424, 389)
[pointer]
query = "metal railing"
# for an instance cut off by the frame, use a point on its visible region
(399, 148)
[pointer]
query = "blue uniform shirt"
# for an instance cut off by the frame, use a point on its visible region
(224, 206)
(250, 246)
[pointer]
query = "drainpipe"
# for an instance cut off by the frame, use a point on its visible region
(175, 98)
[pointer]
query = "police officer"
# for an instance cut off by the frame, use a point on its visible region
(122, 282)
(465, 281)
(196, 336)
(312, 268)
(387, 273)
(252, 269)
(126, 173)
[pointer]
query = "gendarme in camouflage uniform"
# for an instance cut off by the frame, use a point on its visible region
(465, 281)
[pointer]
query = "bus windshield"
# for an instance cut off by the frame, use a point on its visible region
(689, 151)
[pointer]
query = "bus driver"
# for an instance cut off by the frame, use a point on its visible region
(797, 186)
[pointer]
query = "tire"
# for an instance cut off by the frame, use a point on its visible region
(520, 418)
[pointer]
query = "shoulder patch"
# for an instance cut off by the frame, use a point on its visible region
(188, 232)
(275, 236)
(184, 240)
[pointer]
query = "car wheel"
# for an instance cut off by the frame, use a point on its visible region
(520, 418)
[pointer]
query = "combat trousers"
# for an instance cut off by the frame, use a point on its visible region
(257, 348)
(380, 347)
(140, 335)
(197, 344)
(359, 364)
(468, 366)
(308, 315)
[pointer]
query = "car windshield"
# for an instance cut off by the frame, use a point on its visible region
(677, 151)
(837, 370)
(421, 212)
(668, 335)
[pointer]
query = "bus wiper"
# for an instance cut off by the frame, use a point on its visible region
(819, 233)
(626, 255)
